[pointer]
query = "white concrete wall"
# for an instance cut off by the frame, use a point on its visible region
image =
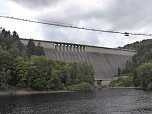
(109, 51)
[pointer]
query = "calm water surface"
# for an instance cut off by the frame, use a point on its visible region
(105, 101)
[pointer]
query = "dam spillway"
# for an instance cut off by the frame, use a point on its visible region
(105, 61)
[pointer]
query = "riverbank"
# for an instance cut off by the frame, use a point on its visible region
(27, 92)
(126, 88)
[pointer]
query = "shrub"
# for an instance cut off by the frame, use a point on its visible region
(81, 87)
(144, 74)
(119, 84)
(113, 83)
(149, 86)
(123, 82)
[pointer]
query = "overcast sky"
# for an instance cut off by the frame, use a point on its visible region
(119, 15)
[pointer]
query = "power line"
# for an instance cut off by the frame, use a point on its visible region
(74, 27)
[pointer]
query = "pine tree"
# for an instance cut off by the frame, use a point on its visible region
(31, 48)
(39, 50)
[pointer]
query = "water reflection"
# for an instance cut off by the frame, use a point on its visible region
(105, 101)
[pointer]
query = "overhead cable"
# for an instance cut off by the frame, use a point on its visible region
(74, 27)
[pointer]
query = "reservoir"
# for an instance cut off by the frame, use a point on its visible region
(104, 101)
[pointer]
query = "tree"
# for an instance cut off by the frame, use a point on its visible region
(15, 35)
(5, 59)
(87, 72)
(4, 32)
(66, 74)
(39, 72)
(21, 72)
(31, 48)
(4, 77)
(128, 68)
(39, 50)
(34, 50)
(6, 62)
(56, 79)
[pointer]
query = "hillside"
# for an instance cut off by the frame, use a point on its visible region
(139, 71)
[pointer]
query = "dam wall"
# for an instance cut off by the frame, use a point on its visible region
(105, 61)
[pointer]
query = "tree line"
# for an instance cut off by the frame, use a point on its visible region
(27, 67)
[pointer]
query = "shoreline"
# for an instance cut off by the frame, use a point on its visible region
(31, 92)
(126, 88)
(26, 92)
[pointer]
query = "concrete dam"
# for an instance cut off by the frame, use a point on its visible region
(104, 60)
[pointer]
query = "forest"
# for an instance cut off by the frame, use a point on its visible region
(139, 71)
(27, 67)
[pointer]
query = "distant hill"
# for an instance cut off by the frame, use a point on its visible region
(144, 51)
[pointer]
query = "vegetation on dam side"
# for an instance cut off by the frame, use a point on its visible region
(139, 71)
(27, 67)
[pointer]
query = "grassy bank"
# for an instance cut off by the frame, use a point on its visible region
(81, 87)
(26, 92)
(73, 88)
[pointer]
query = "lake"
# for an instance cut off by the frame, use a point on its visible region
(104, 101)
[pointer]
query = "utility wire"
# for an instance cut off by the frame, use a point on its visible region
(74, 27)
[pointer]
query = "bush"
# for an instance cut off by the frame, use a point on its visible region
(122, 82)
(144, 74)
(127, 81)
(119, 84)
(81, 87)
(113, 83)
(149, 86)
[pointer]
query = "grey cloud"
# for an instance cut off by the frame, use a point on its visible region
(129, 14)
(36, 4)
(121, 15)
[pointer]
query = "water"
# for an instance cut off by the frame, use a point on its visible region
(105, 101)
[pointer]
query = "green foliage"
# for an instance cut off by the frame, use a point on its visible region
(144, 52)
(141, 65)
(20, 73)
(81, 87)
(149, 86)
(5, 68)
(39, 50)
(25, 67)
(12, 43)
(113, 83)
(122, 82)
(128, 68)
(41, 72)
(4, 77)
(33, 49)
(144, 74)
(119, 84)
(5, 59)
